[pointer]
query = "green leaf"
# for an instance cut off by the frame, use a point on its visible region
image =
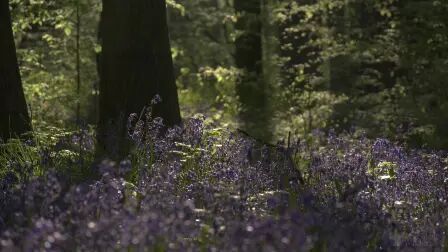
(67, 31)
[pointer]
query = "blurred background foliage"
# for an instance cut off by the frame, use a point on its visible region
(379, 66)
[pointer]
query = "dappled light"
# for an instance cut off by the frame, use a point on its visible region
(215, 125)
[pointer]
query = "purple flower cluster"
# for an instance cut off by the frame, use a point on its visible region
(196, 188)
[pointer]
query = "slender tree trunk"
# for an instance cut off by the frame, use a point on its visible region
(136, 65)
(248, 57)
(78, 64)
(14, 118)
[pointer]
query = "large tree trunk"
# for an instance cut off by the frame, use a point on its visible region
(251, 88)
(14, 119)
(136, 65)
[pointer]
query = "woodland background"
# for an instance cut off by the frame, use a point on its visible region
(377, 66)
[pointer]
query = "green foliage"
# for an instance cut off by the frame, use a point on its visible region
(15, 154)
(384, 171)
(379, 63)
(374, 65)
(202, 45)
(51, 148)
(45, 33)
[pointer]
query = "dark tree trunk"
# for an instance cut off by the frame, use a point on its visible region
(248, 57)
(14, 119)
(135, 66)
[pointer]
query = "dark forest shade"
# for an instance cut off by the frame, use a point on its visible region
(135, 66)
(248, 57)
(14, 118)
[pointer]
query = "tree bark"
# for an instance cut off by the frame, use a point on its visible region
(135, 66)
(14, 118)
(251, 88)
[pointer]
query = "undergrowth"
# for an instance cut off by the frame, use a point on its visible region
(197, 187)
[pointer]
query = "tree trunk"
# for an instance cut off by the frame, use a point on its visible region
(14, 118)
(135, 66)
(248, 57)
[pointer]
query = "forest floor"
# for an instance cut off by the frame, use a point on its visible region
(210, 189)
